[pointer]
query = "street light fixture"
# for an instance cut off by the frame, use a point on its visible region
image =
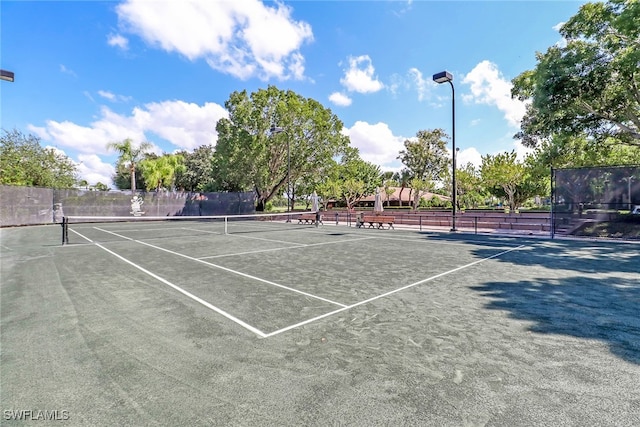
(7, 75)
(274, 131)
(444, 77)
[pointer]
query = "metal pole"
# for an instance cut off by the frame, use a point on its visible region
(453, 139)
(288, 176)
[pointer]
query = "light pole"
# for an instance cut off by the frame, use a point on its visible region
(7, 75)
(442, 77)
(276, 130)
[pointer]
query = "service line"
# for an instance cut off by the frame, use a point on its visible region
(182, 291)
(239, 273)
(386, 294)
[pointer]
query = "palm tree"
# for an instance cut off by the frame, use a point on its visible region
(130, 155)
(161, 172)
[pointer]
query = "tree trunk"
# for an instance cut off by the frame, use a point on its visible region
(133, 179)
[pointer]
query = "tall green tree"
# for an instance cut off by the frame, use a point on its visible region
(197, 174)
(470, 191)
(591, 86)
(23, 161)
(161, 172)
(425, 157)
(358, 177)
(505, 176)
(130, 155)
(419, 187)
(249, 157)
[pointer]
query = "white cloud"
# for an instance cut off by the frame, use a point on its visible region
(185, 125)
(359, 77)
(113, 97)
(562, 42)
(488, 86)
(118, 40)
(521, 151)
(422, 85)
(376, 143)
(340, 99)
(65, 70)
(469, 155)
(242, 38)
(92, 169)
(108, 95)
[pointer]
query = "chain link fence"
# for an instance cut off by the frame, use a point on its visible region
(596, 202)
(32, 205)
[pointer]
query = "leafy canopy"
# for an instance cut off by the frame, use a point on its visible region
(591, 86)
(23, 161)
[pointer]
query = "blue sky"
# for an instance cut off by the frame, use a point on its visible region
(90, 72)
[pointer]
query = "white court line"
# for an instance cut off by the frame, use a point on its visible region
(285, 248)
(386, 294)
(86, 238)
(182, 291)
(227, 269)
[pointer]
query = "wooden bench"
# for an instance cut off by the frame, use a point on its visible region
(376, 221)
(309, 219)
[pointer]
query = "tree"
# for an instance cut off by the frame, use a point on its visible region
(248, 157)
(578, 151)
(419, 186)
(358, 177)
(468, 186)
(591, 86)
(504, 176)
(129, 157)
(388, 184)
(23, 161)
(101, 187)
(425, 157)
(161, 172)
(197, 174)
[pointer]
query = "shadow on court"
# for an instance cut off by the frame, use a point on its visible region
(605, 310)
(581, 289)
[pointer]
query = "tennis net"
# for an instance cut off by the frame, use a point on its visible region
(98, 229)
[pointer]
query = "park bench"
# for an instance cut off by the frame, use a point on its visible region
(376, 221)
(309, 219)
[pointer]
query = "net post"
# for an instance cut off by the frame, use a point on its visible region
(225, 225)
(65, 230)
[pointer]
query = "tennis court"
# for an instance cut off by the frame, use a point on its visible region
(201, 322)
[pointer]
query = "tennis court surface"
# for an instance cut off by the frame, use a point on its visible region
(202, 322)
